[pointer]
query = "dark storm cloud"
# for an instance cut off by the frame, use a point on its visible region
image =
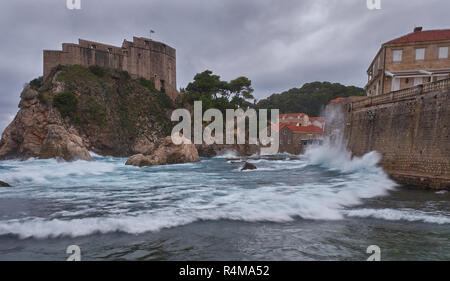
(278, 44)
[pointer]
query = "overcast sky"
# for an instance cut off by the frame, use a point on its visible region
(278, 44)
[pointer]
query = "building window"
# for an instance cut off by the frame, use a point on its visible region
(397, 55)
(289, 141)
(443, 53)
(420, 54)
(418, 81)
(110, 50)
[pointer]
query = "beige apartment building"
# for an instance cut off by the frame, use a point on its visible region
(416, 58)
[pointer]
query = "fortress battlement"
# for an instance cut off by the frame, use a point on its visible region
(142, 58)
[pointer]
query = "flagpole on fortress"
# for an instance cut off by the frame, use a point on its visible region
(151, 31)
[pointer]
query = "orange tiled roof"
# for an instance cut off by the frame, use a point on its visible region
(320, 119)
(336, 100)
(292, 114)
(300, 129)
(422, 36)
(304, 129)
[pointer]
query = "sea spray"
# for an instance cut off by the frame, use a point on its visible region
(82, 198)
(110, 197)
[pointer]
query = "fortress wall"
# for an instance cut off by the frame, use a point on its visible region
(412, 134)
(51, 60)
(141, 58)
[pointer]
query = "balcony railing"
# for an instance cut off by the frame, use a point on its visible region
(404, 94)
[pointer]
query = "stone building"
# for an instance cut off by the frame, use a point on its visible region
(296, 130)
(416, 58)
(141, 58)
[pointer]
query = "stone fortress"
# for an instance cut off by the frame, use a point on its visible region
(142, 58)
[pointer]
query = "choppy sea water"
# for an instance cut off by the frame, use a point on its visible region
(323, 206)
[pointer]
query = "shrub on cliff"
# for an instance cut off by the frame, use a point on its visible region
(36, 83)
(66, 103)
(97, 70)
(148, 84)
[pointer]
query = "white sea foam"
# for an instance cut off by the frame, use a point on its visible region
(441, 192)
(36, 171)
(398, 215)
(334, 155)
(134, 200)
(228, 153)
(95, 155)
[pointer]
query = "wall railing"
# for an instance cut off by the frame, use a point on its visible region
(403, 94)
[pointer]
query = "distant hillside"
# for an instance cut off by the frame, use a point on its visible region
(311, 98)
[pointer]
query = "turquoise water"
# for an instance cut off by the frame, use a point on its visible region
(322, 206)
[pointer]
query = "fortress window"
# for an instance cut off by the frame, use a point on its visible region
(93, 47)
(125, 53)
(139, 56)
(110, 50)
(397, 55)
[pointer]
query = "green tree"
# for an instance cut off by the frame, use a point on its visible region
(215, 93)
(241, 90)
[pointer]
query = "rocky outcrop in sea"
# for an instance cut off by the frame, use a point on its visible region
(77, 110)
(165, 152)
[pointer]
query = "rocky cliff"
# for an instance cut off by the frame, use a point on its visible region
(78, 109)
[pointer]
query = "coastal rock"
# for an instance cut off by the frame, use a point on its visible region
(28, 93)
(212, 150)
(39, 131)
(4, 184)
(59, 143)
(165, 152)
(97, 114)
(205, 150)
(248, 166)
